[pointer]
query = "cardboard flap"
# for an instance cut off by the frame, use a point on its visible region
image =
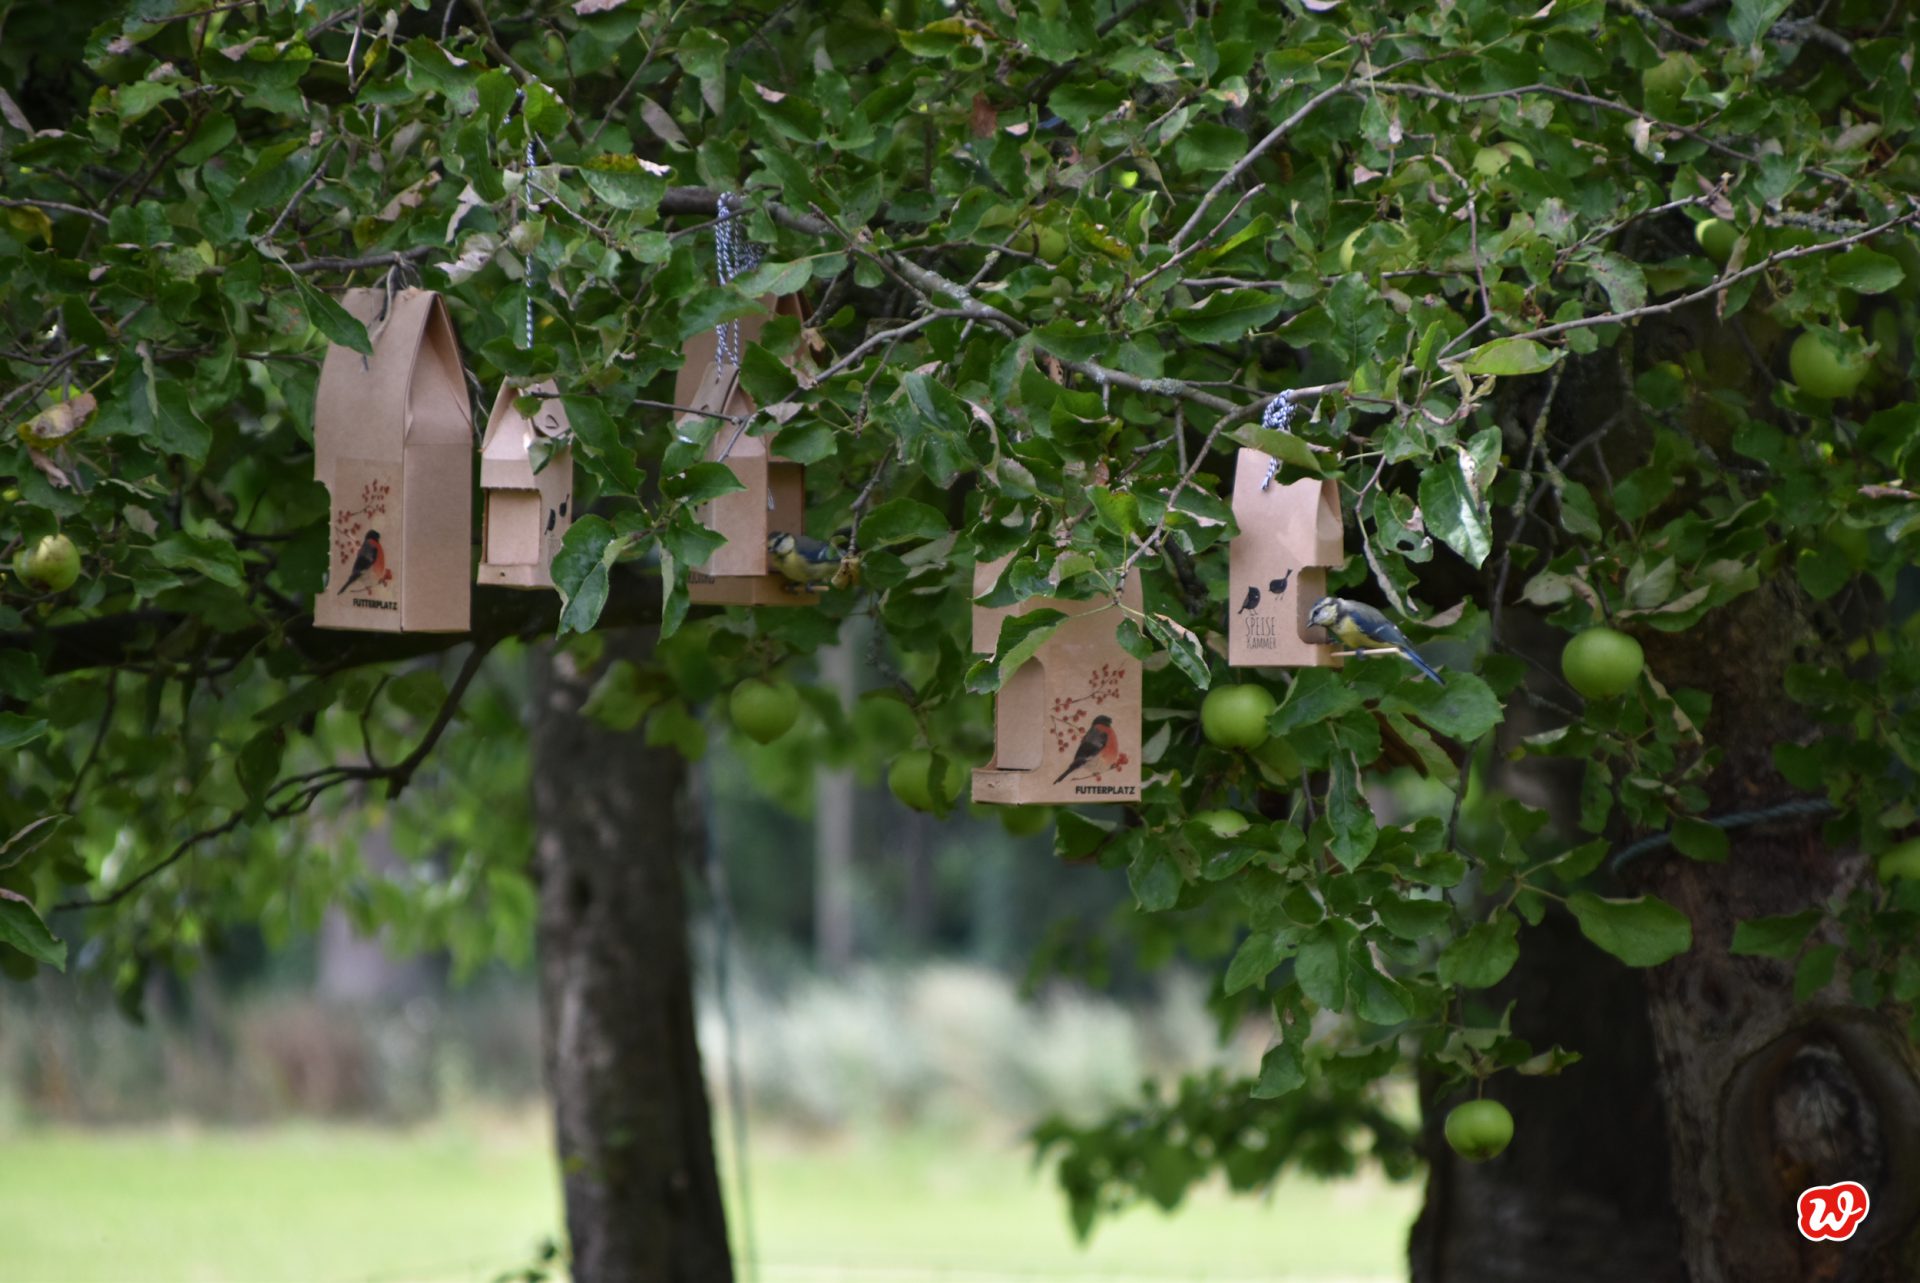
(506, 460)
(412, 387)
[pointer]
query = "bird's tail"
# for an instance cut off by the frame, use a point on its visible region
(1422, 664)
(1063, 775)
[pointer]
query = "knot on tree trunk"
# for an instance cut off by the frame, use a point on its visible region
(1834, 1098)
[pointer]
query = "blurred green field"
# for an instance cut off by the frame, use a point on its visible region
(461, 1202)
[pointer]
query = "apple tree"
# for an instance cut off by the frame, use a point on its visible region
(1599, 313)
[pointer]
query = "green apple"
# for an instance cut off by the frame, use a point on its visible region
(52, 564)
(1601, 663)
(909, 775)
(763, 710)
(1236, 716)
(1716, 238)
(1826, 365)
(1025, 821)
(1479, 1129)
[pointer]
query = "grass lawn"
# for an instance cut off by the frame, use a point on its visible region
(460, 1202)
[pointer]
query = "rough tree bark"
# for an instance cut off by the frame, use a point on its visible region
(630, 1107)
(1766, 1095)
(1709, 1097)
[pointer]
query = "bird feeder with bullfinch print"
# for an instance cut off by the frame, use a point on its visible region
(393, 445)
(1066, 723)
(526, 483)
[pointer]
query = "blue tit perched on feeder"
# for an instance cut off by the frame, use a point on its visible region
(1358, 625)
(809, 564)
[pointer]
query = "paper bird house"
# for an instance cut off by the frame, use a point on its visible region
(774, 494)
(527, 512)
(393, 445)
(1277, 566)
(1066, 723)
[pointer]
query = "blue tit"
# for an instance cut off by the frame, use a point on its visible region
(1358, 625)
(811, 565)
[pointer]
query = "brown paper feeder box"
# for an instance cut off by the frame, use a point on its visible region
(1066, 724)
(393, 445)
(1277, 567)
(774, 494)
(527, 512)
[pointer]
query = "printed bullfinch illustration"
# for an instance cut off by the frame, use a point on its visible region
(810, 564)
(1356, 624)
(1099, 744)
(371, 557)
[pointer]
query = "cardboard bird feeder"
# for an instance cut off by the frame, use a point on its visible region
(393, 445)
(527, 512)
(1277, 566)
(1066, 723)
(774, 490)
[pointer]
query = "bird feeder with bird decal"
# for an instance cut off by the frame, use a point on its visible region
(1066, 722)
(773, 494)
(526, 485)
(393, 445)
(1277, 566)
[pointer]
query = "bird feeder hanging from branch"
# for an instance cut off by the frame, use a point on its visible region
(393, 445)
(526, 483)
(1290, 534)
(1066, 722)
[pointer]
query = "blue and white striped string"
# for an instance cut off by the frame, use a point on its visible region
(1277, 418)
(734, 256)
(533, 207)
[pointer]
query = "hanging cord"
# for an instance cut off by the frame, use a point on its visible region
(1277, 418)
(1805, 806)
(734, 256)
(723, 985)
(533, 207)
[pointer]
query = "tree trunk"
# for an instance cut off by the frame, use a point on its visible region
(1581, 1196)
(1765, 1094)
(630, 1107)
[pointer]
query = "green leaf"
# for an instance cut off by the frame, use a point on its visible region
(1180, 643)
(22, 928)
(899, 521)
(216, 559)
(1481, 956)
(1227, 316)
(339, 325)
(1280, 1072)
(1412, 919)
(702, 482)
(1155, 878)
(1621, 278)
(1778, 937)
(580, 573)
(1699, 840)
(1752, 17)
(1509, 356)
(1354, 830)
(257, 765)
(1464, 707)
(1815, 971)
(1864, 271)
(1318, 695)
(1080, 103)
(1021, 637)
(17, 731)
(1321, 967)
(1454, 513)
(1642, 932)
(1256, 958)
